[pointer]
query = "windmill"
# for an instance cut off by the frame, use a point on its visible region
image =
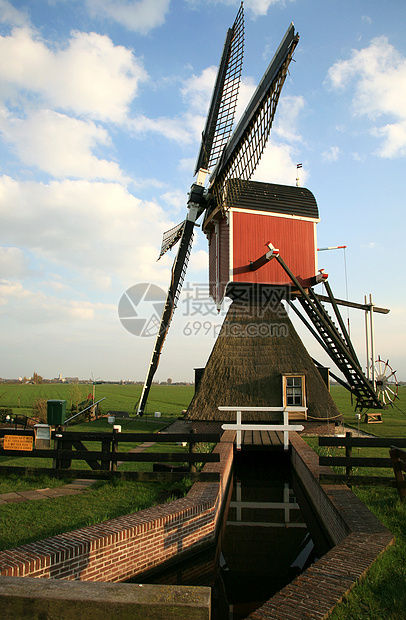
(239, 212)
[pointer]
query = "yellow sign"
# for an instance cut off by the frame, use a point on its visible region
(18, 442)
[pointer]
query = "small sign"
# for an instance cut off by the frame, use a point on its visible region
(18, 442)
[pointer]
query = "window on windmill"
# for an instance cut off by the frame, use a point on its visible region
(294, 394)
(294, 391)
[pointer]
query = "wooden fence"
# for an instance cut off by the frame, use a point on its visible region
(398, 458)
(103, 463)
(349, 461)
(8, 417)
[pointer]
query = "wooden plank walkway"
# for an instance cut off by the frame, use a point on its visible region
(262, 440)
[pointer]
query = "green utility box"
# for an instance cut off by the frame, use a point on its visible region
(56, 410)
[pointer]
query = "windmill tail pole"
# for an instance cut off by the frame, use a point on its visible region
(83, 410)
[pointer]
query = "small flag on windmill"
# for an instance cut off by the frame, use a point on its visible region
(298, 166)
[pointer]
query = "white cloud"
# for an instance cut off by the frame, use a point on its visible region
(394, 135)
(60, 145)
(278, 165)
(370, 246)
(287, 118)
(31, 307)
(176, 199)
(182, 130)
(89, 76)
(13, 263)
(94, 231)
(136, 15)
(10, 15)
(247, 89)
(331, 154)
(358, 157)
(256, 7)
(187, 165)
(260, 7)
(379, 72)
(197, 90)
(186, 128)
(199, 261)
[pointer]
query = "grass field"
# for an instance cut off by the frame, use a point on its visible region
(394, 418)
(168, 399)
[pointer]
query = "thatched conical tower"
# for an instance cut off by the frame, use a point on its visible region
(259, 360)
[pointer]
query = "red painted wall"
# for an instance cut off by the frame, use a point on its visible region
(294, 238)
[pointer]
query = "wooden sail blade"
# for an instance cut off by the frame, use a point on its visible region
(171, 238)
(220, 118)
(177, 277)
(244, 150)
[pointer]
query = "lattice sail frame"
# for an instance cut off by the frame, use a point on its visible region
(246, 155)
(170, 238)
(229, 97)
(221, 114)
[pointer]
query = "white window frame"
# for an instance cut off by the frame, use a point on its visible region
(293, 415)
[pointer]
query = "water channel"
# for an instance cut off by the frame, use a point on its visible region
(269, 535)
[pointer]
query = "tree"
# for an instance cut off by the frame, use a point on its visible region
(36, 378)
(39, 410)
(75, 395)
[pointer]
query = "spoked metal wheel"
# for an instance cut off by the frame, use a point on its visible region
(387, 386)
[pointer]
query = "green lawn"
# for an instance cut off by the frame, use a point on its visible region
(394, 418)
(35, 520)
(169, 400)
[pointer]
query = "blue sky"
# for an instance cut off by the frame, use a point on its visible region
(102, 103)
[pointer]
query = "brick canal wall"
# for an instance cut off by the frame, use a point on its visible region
(359, 537)
(121, 548)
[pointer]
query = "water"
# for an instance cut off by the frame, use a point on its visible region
(269, 535)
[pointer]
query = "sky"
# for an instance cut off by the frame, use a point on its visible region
(102, 105)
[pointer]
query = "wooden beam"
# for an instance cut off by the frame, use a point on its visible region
(353, 304)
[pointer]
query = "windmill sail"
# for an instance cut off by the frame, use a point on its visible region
(175, 287)
(220, 118)
(244, 150)
(171, 238)
(217, 131)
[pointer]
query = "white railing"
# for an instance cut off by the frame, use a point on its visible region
(286, 505)
(285, 427)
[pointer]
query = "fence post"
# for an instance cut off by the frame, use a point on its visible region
(62, 444)
(192, 450)
(397, 470)
(348, 454)
(106, 447)
(55, 461)
(114, 450)
(285, 433)
(239, 434)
